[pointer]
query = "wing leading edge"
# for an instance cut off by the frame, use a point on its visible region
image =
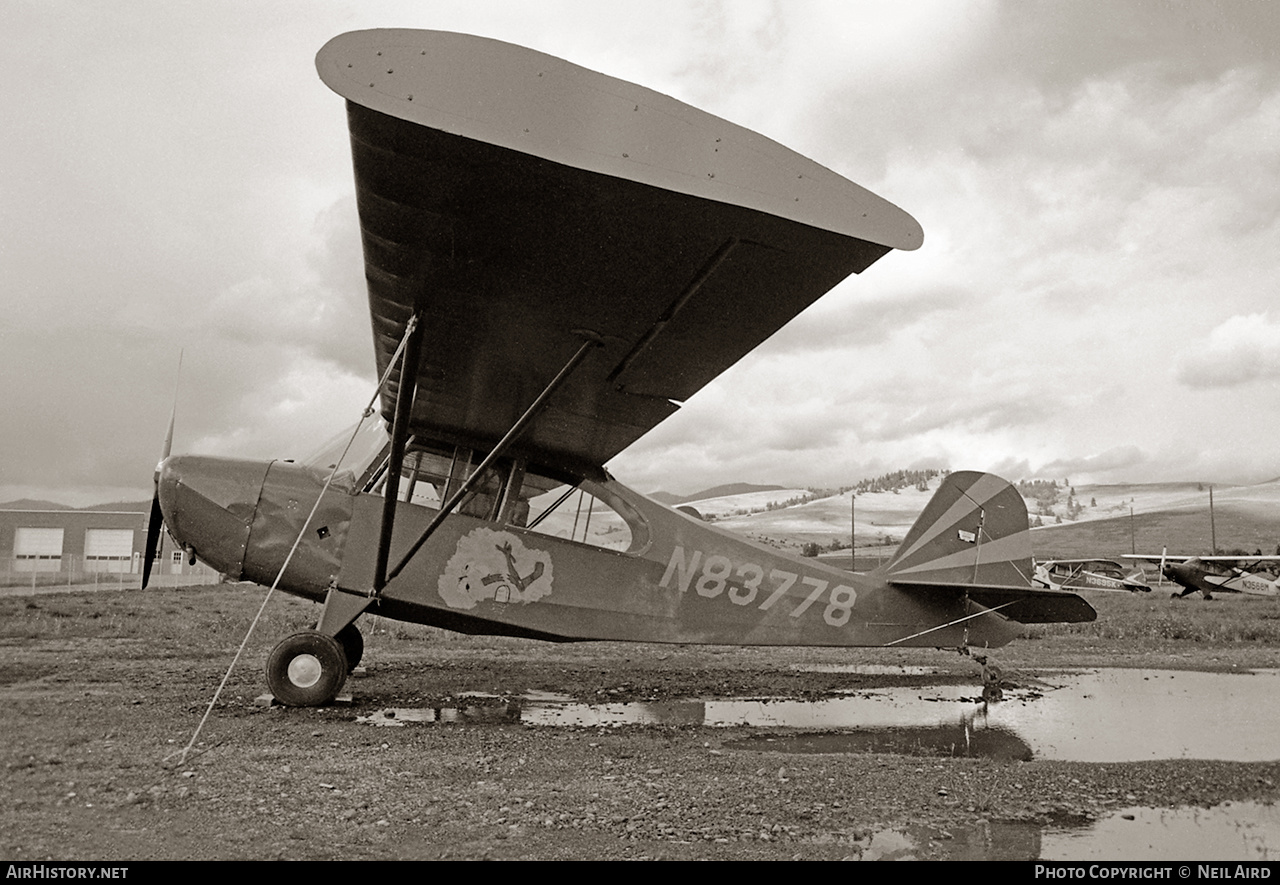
(514, 199)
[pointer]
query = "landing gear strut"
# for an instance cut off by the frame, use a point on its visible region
(308, 669)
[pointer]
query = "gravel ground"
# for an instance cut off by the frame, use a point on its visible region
(103, 691)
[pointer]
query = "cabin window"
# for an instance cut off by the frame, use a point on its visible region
(431, 473)
(575, 512)
(424, 476)
(512, 493)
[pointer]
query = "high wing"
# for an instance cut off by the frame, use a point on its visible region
(520, 203)
(1249, 558)
(1174, 557)
(1081, 562)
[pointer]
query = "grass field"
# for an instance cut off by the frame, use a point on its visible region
(1151, 629)
(1181, 531)
(211, 622)
(103, 689)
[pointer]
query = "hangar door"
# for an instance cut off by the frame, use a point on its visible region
(37, 549)
(108, 550)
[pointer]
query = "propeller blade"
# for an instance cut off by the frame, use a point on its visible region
(154, 523)
(168, 437)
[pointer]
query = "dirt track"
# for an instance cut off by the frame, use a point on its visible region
(98, 689)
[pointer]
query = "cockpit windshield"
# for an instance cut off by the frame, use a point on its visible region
(367, 445)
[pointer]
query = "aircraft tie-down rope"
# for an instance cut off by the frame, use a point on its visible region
(368, 411)
(985, 611)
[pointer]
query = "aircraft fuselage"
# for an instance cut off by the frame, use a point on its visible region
(679, 580)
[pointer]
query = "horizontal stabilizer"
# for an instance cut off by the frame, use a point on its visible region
(1026, 605)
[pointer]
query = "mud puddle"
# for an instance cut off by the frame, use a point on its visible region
(1106, 715)
(1084, 716)
(1236, 831)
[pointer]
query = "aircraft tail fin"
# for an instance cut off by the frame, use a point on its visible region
(973, 531)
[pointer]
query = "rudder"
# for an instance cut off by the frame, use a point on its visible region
(974, 530)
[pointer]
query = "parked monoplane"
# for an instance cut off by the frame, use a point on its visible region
(1089, 574)
(1215, 574)
(555, 260)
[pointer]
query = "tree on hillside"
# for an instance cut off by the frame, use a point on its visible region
(899, 479)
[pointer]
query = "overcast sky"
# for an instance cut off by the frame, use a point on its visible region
(1096, 298)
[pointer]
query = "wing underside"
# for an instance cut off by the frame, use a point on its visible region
(511, 221)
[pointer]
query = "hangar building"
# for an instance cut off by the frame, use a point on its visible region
(86, 547)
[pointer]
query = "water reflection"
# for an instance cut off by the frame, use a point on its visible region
(1234, 831)
(1088, 716)
(960, 740)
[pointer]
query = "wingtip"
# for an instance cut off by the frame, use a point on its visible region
(531, 102)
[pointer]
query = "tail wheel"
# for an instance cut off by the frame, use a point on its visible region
(352, 645)
(306, 669)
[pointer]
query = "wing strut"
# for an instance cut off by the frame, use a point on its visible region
(399, 435)
(712, 265)
(590, 340)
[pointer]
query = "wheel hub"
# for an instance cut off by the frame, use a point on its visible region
(305, 670)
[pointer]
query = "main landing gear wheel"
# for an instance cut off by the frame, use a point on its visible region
(352, 644)
(306, 669)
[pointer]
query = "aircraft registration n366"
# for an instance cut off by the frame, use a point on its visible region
(1089, 574)
(1215, 574)
(555, 259)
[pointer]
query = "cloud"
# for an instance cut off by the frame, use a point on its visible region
(1098, 184)
(1119, 458)
(848, 318)
(976, 415)
(1240, 351)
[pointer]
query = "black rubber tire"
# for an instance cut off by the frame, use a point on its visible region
(306, 669)
(352, 645)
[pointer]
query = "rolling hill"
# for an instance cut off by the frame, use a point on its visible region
(1175, 515)
(722, 491)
